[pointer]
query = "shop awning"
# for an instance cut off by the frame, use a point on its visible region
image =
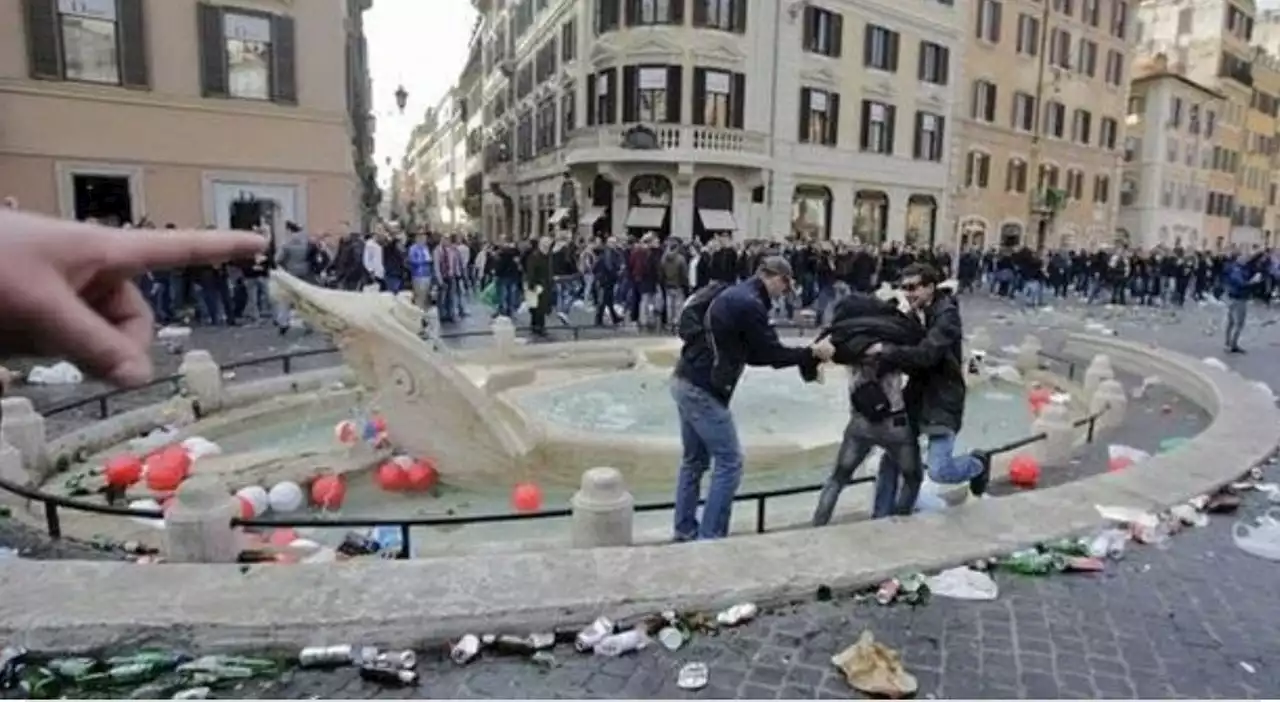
(646, 217)
(718, 220)
(593, 214)
(558, 216)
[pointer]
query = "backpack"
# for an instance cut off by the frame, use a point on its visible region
(692, 326)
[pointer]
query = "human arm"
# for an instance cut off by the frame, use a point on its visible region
(939, 339)
(763, 346)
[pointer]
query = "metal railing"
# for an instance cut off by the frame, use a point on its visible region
(405, 525)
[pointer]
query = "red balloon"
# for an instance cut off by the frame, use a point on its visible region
(1119, 463)
(282, 537)
(123, 471)
(244, 506)
(328, 491)
(165, 472)
(178, 456)
(527, 497)
(422, 475)
(391, 477)
(1024, 471)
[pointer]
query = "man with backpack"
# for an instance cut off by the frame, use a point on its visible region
(724, 329)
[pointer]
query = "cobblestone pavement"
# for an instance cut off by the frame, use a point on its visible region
(1195, 618)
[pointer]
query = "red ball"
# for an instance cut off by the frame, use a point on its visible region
(123, 471)
(392, 477)
(243, 506)
(423, 476)
(179, 457)
(1119, 463)
(526, 497)
(1024, 471)
(328, 492)
(165, 472)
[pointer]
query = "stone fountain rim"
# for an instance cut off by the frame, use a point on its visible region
(414, 602)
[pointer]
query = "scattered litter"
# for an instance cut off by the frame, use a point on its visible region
(1248, 668)
(593, 634)
(152, 440)
(619, 644)
(874, 669)
(963, 584)
(1215, 363)
(60, 373)
(1259, 538)
(1108, 543)
(911, 589)
(738, 614)
(671, 638)
(466, 650)
(693, 676)
(1189, 515)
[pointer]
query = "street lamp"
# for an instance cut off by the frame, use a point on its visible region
(402, 98)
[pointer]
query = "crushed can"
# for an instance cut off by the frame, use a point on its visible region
(593, 634)
(388, 675)
(738, 614)
(693, 676)
(404, 660)
(617, 644)
(326, 656)
(888, 591)
(542, 642)
(466, 650)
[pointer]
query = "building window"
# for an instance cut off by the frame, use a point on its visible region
(524, 136)
(1239, 24)
(524, 80)
(643, 13)
(602, 98)
(568, 112)
(719, 98)
(1115, 68)
(651, 93)
(880, 49)
(1107, 130)
(545, 133)
(877, 127)
(1055, 119)
(823, 30)
(1060, 48)
(1024, 111)
(1210, 121)
(1048, 177)
(1101, 189)
(929, 136)
(607, 15)
(1120, 19)
(727, 15)
(1075, 184)
(88, 40)
(246, 54)
(1087, 57)
(1081, 126)
(1028, 35)
(935, 63)
(988, 28)
(545, 61)
(819, 117)
(984, 101)
(977, 169)
(568, 41)
(1090, 12)
(1015, 178)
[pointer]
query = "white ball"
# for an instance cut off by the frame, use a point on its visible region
(257, 496)
(147, 503)
(285, 496)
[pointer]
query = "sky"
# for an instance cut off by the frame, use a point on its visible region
(421, 44)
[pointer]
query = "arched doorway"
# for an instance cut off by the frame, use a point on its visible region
(811, 212)
(870, 216)
(1010, 235)
(922, 220)
(713, 205)
(973, 233)
(599, 216)
(649, 201)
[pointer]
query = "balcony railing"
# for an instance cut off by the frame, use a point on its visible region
(671, 137)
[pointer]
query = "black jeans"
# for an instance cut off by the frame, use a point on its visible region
(901, 455)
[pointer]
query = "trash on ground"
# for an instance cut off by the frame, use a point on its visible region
(872, 668)
(963, 583)
(1108, 543)
(693, 676)
(61, 373)
(1189, 515)
(1259, 537)
(616, 645)
(1213, 362)
(1224, 501)
(593, 634)
(546, 659)
(389, 675)
(1248, 668)
(671, 638)
(738, 614)
(910, 589)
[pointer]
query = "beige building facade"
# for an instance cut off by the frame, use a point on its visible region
(1040, 121)
(197, 113)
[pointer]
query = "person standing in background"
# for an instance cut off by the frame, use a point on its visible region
(540, 283)
(294, 257)
(420, 270)
(371, 258)
(674, 277)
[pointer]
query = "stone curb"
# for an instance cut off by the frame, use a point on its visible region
(69, 606)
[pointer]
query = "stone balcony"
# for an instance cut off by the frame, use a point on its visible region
(674, 144)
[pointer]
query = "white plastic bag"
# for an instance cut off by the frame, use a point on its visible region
(1120, 451)
(60, 373)
(963, 584)
(1215, 363)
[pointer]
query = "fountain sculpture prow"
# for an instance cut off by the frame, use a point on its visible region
(431, 408)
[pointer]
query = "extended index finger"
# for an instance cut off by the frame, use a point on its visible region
(144, 249)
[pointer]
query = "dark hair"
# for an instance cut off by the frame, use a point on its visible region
(928, 274)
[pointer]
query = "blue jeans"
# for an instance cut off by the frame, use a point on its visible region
(1237, 311)
(944, 466)
(708, 434)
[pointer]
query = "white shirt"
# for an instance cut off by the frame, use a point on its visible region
(373, 259)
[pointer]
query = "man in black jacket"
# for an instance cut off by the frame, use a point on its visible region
(736, 333)
(937, 388)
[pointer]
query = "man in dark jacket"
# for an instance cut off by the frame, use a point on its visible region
(937, 388)
(737, 333)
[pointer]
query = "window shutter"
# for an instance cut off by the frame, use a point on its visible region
(833, 119)
(837, 34)
(284, 65)
(944, 77)
(632, 12)
(44, 56)
(940, 126)
(133, 44)
(213, 51)
(675, 91)
(677, 11)
(803, 127)
(968, 168)
(739, 100)
(739, 10)
(810, 27)
(611, 111)
(699, 13)
(630, 93)
(917, 144)
(866, 44)
(894, 39)
(699, 96)
(891, 115)
(999, 10)
(864, 127)
(591, 100)
(922, 58)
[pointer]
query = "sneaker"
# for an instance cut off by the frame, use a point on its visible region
(978, 483)
(1235, 349)
(564, 318)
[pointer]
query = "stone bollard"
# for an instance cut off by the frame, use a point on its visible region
(202, 378)
(504, 336)
(11, 469)
(1110, 394)
(1055, 422)
(1099, 370)
(23, 428)
(603, 510)
(980, 341)
(1029, 354)
(198, 525)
